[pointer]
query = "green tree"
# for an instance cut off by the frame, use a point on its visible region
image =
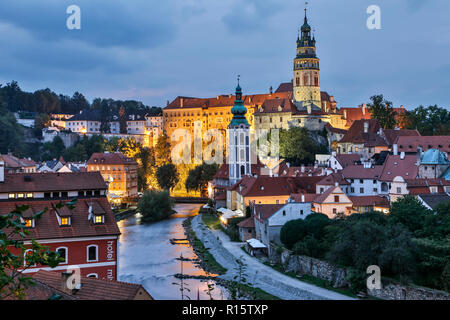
(382, 111)
(11, 134)
(123, 120)
(199, 177)
(40, 122)
(155, 205)
(162, 150)
(429, 121)
(146, 162)
(167, 176)
(410, 212)
(297, 147)
(292, 232)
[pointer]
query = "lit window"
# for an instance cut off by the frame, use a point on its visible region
(20, 195)
(29, 195)
(11, 196)
(29, 223)
(98, 219)
(28, 253)
(64, 221)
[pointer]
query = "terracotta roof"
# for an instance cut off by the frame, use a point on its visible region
(392, 134)
(47, 226)
(321, 198)
(395, 166)
(14, 162)
(93, 288)
(422, 186)
(359, 172)
(114, 158)
(366, 201)
(410, 143)
(265, 211)
(331, 179)
(346, 160)
(275, 186)
(276, 105)
(223, 101)
(362, 112)
(303, 197)
(247, 223)
(43, 182)
(357, 135)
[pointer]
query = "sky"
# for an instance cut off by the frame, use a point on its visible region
(154, 51)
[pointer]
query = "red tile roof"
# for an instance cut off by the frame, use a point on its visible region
(331, 179)
(362, 112)
(395, 166)
(321, 198)
(410, 143)
(43, 182)
(247, 223)
(359, 172)
(114, 158)
(92, 288)
(276, 105)
(422, 186)
(366, 201)
(392, 134)
(303, 197)
(346, 160)
(357, 135)
(14, 162)
(47, 227)
(265, 211)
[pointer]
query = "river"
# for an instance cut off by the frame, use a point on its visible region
(147, 256)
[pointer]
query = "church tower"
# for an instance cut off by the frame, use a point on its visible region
(306, 81)
(238, 140)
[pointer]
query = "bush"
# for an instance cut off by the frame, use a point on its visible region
(155, 205)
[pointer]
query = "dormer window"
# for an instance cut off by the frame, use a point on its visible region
(96, 213)
(29, 223)
(64, 216)
(65, 221)
(99, 219)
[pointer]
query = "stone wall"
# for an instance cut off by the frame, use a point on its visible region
(307, 265)
(337, 277)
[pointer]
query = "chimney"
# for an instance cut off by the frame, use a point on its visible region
(181, 102)
(395, 149)
(345, 114)
(288, 164)
(366, 126)
(363, 109)
(2, 170)
(270, 90)
(303, 197)
(419, 155)
(302, 168)
(308, 108)
(167, 102)
(336, 184)
(64, 277)
(402, 155)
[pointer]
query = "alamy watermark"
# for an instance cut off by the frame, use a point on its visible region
(374, 20)
(73, 21)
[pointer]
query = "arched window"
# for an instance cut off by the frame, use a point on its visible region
(242, 155)
(27, 253)
(92, 253)
(92, 275)
(242, 139)
(62, 251)
(242, 170)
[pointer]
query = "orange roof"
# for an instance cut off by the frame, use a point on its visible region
(395, 166)
(93, 288)
(411, 143)
(366, 201)
(110, 158)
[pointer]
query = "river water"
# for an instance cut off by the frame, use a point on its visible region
(147, 257)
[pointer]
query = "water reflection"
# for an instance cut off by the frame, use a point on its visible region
(146, 256)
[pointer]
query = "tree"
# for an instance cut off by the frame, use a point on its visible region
(292, 232)
(167, 176)
(40, 122)
(13, 281)
(162, 150)
(199, 177)
(146, 162)
(382, 111)
(11, 134)
(123, 120)
(297, 147)
(428, 121)
(409, 212)
(155, 205)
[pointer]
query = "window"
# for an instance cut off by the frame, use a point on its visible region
(29, 195)
(284, 212)
(20, 195)
(98, 219)
(361, 181)
(29, 223)
(62, 251)
(361, 190)
(352, 189)
(92, 253)
(64, 221)
(301, 212)
(27, 254)
(334, 210)
(11, 196)
(92, 275)
(336, 198)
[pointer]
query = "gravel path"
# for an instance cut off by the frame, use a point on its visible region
(260, 275)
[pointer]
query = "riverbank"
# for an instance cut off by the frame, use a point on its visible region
(261, 276)
(209, 263)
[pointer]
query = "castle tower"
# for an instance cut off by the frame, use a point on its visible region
(239, 140)
(306, 81)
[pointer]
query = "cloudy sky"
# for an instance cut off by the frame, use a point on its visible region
(153, 50)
